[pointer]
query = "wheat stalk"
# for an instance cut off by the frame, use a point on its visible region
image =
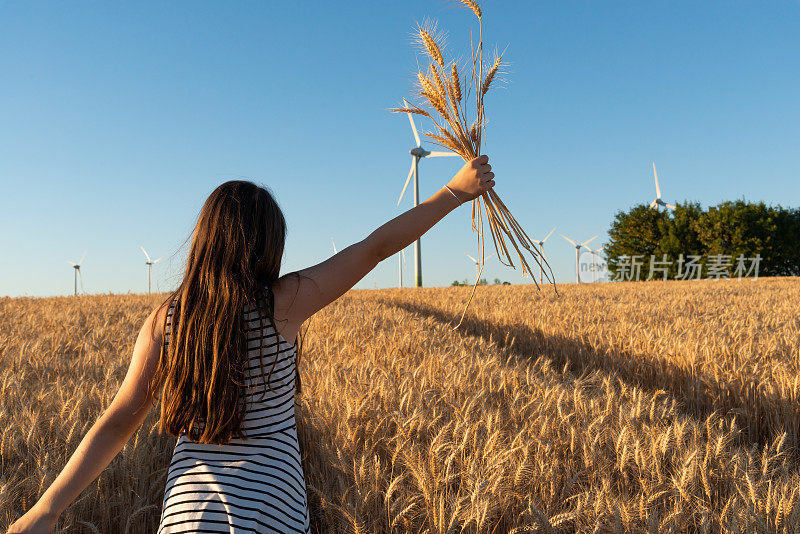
(431, 46)
(455, 83)
(491, 74)
(473, 6)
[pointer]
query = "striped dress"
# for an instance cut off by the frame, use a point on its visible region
(247, 485)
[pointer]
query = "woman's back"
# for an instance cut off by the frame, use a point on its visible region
(250, 484)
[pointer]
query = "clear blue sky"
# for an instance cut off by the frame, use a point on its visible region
(118, 119)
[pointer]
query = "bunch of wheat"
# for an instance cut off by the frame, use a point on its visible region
(448, 97)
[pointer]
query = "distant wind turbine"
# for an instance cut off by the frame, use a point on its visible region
(577, 254)
(541, 251)
(149, 264)
(594, 263)
(477, 263)
(334, 245)
(77, 268)
(657, 201)
(417, 153)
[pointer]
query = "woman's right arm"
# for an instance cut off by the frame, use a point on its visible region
(299, 297)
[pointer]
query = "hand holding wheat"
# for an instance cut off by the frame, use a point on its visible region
(474, 179)
(446, 92)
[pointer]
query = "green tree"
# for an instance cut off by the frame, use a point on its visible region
(635, 232)
(784, 256)
(746, 228)
(679, 234)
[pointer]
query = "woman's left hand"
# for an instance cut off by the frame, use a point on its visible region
(33, 522)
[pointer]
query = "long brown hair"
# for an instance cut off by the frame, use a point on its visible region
(235, 256)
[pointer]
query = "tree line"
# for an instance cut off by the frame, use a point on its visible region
(732, 229)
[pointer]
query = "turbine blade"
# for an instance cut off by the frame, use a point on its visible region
(670, 206)
(72, 263)
(655, 175)
(146, 255)
(570, 240)
(487, 257)
(410, 173)
(334, 246)
(84, 255)
(548, 235)
(403, 252)
(413, 126)
(470, 257)
(592, 239)
(440, 154)
(654, 203)
(159, 259)
(80, 277)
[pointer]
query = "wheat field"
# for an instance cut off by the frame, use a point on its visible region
(636, 407)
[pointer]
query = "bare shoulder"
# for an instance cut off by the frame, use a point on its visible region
(153, 326)
(287, 292)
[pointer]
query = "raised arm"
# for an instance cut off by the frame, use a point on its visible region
(299, 297)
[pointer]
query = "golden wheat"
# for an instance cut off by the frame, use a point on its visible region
(455, 84)
(487, 82)
(431, 46)
(473, 6)
(647, 407)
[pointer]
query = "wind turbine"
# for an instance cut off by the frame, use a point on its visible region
(594, 263)
(149, 264)
(77, 268)
(541, 251)
(577, 253)
(657, 201)
(417, 153)
(477, 263)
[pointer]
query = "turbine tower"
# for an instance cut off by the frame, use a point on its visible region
(594, 263)
(149, 264)
(657, 201)
(401, 262)
(577, 254)
(417, 153)
(541, 251)
(77, 268)
(477, 263)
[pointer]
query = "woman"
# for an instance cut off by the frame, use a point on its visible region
(216, 354)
